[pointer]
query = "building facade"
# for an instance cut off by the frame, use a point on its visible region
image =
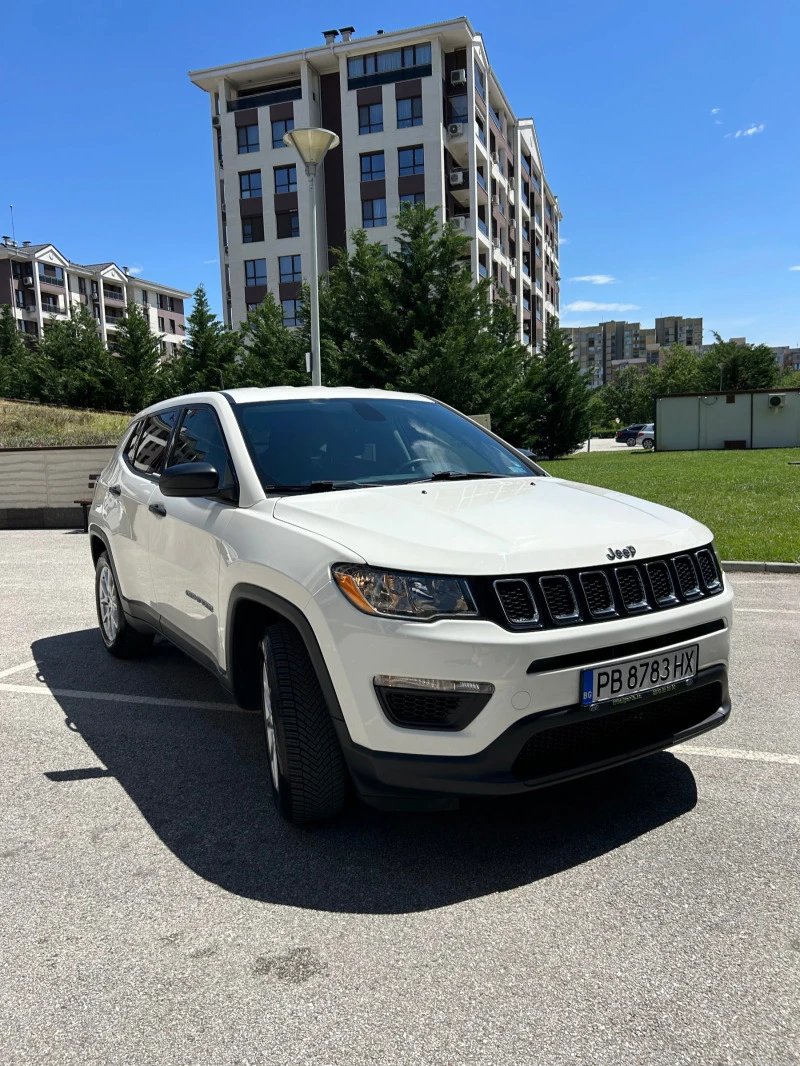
(42, 286)
(605, 349)
(422, 119)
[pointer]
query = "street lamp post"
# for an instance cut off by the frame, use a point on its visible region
(312, 146)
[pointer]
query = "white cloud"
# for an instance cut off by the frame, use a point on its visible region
(135, 270)
(563, 240)
(718, 122)
(795, 268)
(589, 305)
(715, 110)
(750, 131)
(595, 279)
(208, 261)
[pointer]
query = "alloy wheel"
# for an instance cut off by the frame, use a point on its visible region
(269, 728)
(109, 605)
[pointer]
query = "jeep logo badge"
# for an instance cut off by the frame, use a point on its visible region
(621, 553)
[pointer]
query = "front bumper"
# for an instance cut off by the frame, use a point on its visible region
(544, 748)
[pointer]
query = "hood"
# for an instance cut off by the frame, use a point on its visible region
(508, 526)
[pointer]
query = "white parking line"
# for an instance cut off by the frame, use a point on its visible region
(119, 697)
(17, 669)
(739, 753)
(763, 610)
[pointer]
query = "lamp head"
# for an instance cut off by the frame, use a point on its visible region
(311, 144)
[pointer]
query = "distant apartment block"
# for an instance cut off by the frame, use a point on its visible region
(43, 286)
(604, 349)
(786, 357)
(422, 118)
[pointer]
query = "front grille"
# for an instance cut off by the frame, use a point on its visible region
(661, 583)
(516, 600)
(560, 598)
(572, 597)
(597, 590)
(708, 569)
(631, 589)
(570, 747)
(687, 576)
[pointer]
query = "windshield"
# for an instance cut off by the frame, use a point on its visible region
(335, 443)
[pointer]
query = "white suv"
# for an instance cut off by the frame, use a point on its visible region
(418, 609)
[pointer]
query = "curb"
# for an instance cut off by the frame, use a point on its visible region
(734, 566)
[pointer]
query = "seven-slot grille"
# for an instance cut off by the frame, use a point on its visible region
(576, 597)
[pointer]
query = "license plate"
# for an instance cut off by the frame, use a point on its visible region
(644, 673)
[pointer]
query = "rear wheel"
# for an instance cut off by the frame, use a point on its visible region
(648, 444)
(119, 637)
(306, 766)
(631, 442)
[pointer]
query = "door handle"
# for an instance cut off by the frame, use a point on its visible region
(115, 490)
(156, 508)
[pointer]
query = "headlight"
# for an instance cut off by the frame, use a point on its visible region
(419, 596)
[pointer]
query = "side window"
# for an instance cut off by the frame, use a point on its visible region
(129, 448)
(152, 444)
(200, 440)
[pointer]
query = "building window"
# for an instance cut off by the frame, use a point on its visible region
(171, 306)
(250, 184)
(370, 118)
(172, 325)
(480, 130)
(412, 198)
(409, 112)
(291, 312)
(373, 213)
(82, 286)
(252, 229)
(145, 298)
(279, 127)
(457, 110)
(251, 307)
(373, 167)
(411, 160)
(248, 138)
(480, 82)
(382, 62)
(286, 179)
(255, 272)
(288, 223)
(289, 268)
(161, 324)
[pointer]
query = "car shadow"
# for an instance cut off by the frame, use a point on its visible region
(199, 778)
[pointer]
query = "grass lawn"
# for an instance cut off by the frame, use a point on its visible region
(24, 425)
(750, 500)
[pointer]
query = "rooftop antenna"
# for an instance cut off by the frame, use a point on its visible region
(13, 231)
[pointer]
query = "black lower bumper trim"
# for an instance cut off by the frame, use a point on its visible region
(550, 746)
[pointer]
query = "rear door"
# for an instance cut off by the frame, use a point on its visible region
(187, 540)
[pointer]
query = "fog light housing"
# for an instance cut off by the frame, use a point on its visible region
(428, 703)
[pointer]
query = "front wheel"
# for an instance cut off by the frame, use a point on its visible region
(648, 444)
(119, 637)
(306, 765)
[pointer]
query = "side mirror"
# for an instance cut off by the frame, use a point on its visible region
(189, 479)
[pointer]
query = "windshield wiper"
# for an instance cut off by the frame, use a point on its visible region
(315, 486)
(461, 475)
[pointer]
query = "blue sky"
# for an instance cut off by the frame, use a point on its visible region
(106, 147)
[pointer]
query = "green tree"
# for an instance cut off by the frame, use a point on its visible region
(208, 359)
(629, 396)
(75, 367)
(15, 359)
(139, 352)
(680, 372)
(272, 354)
(738, 366)
(560, 396)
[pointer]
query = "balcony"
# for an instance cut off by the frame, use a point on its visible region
(480, 179)
(496, 118)
(483, 227)
(484, 273)
(50, 279)
(52, 309)
(535, 183)
(526, 270)
(275, 96)
(526, 166)
(113, 295)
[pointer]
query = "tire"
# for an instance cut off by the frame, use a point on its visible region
(306, 765)
(648, 444)
(631, 442)
(119, 637)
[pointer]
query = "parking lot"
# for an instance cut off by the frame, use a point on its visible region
(153, 909)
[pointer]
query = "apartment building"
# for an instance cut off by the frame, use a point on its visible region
(786, 357)
(43, 286)
(605, 349)
(422, 119)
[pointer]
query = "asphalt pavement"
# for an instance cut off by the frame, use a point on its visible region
(153, 909)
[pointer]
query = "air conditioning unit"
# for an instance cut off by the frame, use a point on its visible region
(456, 177)
(96, 297)
(455, 129)
(496, 200)
(511, 196)
(215, 120)
(28, 283)
(459, 222)
(496, 158)
(458, 77)
(777, 399)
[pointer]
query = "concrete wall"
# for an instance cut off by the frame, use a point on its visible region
(38, 485)
(688, 423)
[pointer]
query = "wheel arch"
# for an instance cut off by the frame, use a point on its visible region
(250, 610)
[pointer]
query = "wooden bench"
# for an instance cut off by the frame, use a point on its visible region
(85, 502)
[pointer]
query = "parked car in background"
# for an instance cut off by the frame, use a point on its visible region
(647, 437)
(418, 611)
(629, 434)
